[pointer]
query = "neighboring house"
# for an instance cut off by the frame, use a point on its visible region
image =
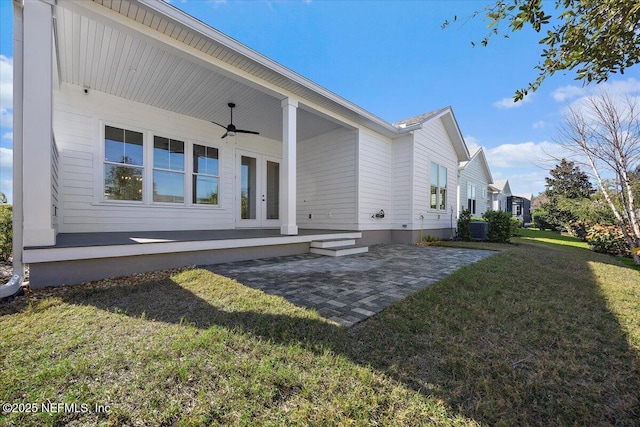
(500, 193)
(474, 179)
(520, 207)
(118, 167)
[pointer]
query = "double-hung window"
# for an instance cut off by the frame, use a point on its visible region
(438, 187)
(168, 180)
(168, 170)
(123, 164)
(471, 198)
(206, 178)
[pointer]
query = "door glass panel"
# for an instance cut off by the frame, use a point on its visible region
(273, 190)
(248, 188)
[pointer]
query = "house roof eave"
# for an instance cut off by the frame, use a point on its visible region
(451, 126)
(270, 65)
(453, 129)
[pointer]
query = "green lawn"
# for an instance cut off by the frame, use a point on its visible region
(552, 237)
(540, 334)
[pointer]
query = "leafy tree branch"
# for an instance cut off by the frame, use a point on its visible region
(596, 38)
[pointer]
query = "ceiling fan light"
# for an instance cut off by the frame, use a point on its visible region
(231, 133)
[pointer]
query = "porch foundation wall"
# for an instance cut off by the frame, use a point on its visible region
(78, 271)
(372, 237)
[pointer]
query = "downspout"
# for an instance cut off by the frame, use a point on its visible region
(13, 286)
(453, 232)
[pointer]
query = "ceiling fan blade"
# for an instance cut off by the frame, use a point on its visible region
(224, 127)
(247, 131)
(224, 136)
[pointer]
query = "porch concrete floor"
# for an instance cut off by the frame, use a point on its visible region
(70, 240)
(350, 289)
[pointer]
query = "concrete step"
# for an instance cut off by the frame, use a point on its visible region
(340, 250)
(332, 243)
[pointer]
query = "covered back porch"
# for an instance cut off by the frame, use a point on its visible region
(80, 257)
(95, 78)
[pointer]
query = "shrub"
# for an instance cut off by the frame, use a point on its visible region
(428, 240)
(541, 220)
(500, 228)
(6, 232)
(464, 219)
(579, 229)
(607, 239)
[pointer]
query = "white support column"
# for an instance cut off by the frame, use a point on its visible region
(18, 266)
(37, 123)
(288, 170)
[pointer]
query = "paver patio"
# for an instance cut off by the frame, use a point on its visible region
(350, 289)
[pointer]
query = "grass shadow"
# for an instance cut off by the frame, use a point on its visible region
(247, 310)
(527, 337)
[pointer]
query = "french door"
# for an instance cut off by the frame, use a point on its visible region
(257, 190)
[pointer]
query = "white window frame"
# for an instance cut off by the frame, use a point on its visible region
(191, 173)
(472, 199)
(153, 168)
(99, 169)
(147, 168)
(439, 189)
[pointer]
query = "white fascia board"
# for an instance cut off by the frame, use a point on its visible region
(452, 127)
(485, 164)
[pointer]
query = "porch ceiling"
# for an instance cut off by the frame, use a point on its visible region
(103, 55)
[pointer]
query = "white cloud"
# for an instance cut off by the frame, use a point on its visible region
(6, 118)
(6, 172)
(6, 187)
(614, 88)
(565, 93)
(471, 141)
(527, 164)
(6, 92)
(6, 158)
(6, 83)
(539, 124)
(527, 182)
(524, 155)
(620, 93)
(508, 103)
(8, 135)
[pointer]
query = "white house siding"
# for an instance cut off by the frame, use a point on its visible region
(402, 181)
(327, 180)
(375, 186)
(432, 144)
(500, 202)
(55, 160)
(78, 119)
(474, 174)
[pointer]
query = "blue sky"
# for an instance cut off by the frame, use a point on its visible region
(394, 60)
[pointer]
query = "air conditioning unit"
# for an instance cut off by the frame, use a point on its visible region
(479, 230)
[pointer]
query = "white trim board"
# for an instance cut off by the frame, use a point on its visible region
(114, 251)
